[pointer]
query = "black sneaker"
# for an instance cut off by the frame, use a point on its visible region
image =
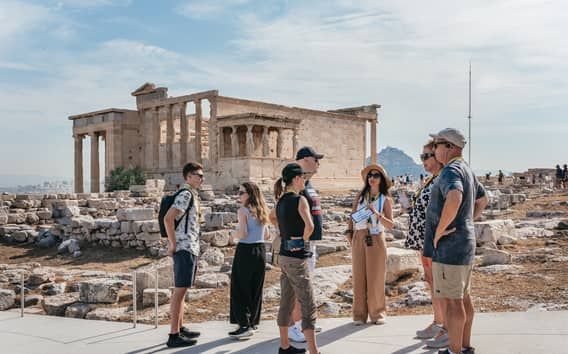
(468, 350)
(242, 332)
(291, 350)
(445, 351)
(185, 332)
(177, 341)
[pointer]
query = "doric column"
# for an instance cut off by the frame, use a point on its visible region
(374, 141)
(234, 142)
(78, 163)
(184, 136)
(95, 171)
(265, 146)
(169, 137)
(249, 141)
(198, 147)
(279, 143)
(156, 136)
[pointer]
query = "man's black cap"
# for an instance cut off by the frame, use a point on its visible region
(308, 151)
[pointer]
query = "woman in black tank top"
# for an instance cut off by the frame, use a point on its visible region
(293, 218)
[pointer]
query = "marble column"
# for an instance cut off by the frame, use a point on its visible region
(183, 136)
(280, 143)
(295, 144)
(234, 142)
(374, 141)
(265, 142)
(78, 163)
(215, 135)
(95, 170)
(198, 124)
(249, 141)
(170, 137)
(156, 136)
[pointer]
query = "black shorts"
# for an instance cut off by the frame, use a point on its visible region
(185, 267)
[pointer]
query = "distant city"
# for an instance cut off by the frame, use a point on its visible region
(43, 188)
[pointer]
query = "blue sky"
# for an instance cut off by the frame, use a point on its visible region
(59, 58)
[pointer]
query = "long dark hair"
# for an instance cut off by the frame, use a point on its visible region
(279, 187)
(383, 187)
(256, 202)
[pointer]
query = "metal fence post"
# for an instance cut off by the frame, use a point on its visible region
(22, 296)
(156, 300)
(134, 300)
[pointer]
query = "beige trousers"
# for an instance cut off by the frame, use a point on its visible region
(369, 273)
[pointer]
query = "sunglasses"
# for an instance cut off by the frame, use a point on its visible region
(374, 175)
(242, 192)
(426, 156)
(447, 144)
(198, 175)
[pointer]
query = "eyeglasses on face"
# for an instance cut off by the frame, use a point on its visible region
(242, 192)
(425, 156)
(445, 143)
(374, 175)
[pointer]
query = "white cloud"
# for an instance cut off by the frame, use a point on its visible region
(200, 9)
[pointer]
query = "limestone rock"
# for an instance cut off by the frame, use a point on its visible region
(330, 308)
(53, 288)
(56, 305)
(148, 297)
(212, 280)
(217, 220)
(493, 256)
(213, 256)
(3, 216)
(103, 291)
(20, 236)
(7, 299)
(146, 275)
(40, 276)
(32, 300)
(401, 262)
(218, 238)
(78, 310)
(493, 230)
(135, 214)
(109, 314)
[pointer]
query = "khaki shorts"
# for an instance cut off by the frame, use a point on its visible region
(451, 281)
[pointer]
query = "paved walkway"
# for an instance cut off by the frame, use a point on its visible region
(532, 332)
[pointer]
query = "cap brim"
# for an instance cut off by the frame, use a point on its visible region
(318, 156)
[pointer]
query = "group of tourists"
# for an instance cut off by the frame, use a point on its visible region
(441, 228)
(561, 177)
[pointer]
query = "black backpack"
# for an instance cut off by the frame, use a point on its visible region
(165, 205)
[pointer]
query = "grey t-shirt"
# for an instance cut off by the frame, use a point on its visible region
(457, 248)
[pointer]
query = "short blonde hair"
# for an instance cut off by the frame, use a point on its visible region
(429, 144)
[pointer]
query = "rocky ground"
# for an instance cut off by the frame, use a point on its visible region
(522, 266)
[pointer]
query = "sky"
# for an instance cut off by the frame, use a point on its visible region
(60, 58)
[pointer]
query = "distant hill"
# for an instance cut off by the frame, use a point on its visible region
(398, 163)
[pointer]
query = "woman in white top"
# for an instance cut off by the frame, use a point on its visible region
(368, 246)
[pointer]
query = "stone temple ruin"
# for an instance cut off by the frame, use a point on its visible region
(237, 140)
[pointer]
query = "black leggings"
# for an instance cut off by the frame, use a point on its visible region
(247, 280)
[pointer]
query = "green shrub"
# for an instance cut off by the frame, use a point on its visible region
(121, 179)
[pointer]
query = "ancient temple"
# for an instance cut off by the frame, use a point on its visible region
(235, 139)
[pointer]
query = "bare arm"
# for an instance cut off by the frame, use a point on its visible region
(169, 221)
(304, 210)
(386, 217)
(449, 212)
(480, 205)
(350, 227)
(241, 231)
(266, 232)
(272, 217)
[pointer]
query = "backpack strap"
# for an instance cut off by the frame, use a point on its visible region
(176, 223)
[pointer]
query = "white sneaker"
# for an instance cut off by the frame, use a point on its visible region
(317, 329)
(296, 335)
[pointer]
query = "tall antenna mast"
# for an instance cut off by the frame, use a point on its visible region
(469, 114)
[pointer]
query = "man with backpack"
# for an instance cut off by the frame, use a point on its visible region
(179, 222)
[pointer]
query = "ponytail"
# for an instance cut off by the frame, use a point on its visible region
(278, 188)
